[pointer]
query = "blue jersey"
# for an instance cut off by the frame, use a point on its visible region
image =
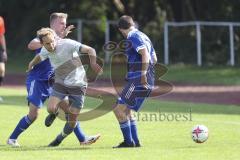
(41, 71)
(139, 41)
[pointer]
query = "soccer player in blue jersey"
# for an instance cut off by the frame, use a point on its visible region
(38, 86)
(140, 80)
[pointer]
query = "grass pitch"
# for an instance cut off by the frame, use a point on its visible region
(162, 137)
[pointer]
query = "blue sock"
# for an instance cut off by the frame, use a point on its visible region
(134, 131)
(22, 125)
(126, 131)
(79, 133)
(66, 131)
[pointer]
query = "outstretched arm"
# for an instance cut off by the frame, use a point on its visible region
(35, 61)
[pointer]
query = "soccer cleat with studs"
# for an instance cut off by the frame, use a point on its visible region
(90, 140)
(13, 142)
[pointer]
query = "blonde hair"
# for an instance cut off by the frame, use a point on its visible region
(44, 32)
(56, 15)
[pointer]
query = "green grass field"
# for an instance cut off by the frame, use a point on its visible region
(161, 139)
(216, 75)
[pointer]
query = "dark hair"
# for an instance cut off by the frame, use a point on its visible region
(125, 22)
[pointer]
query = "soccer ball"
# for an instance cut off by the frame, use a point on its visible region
(199, 133)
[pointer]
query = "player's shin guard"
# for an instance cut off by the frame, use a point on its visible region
(22, 125)
(134, 131)
(66, 131)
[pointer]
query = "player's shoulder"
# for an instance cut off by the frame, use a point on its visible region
(68, 40)
(135, 34)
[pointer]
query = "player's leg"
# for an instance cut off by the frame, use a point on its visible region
(133, 125)
(52, 108)
(131, 98)
(121, 115)
(72, 120)
(142, 93)
(64, 105)
(23, 124)
(2, 72)
(2, 66)
(120, 112)
(57, 95)
(82, 138)
(77, 130)
(70, 123)
(36, 90)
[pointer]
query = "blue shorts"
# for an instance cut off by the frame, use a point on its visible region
(38, 91)
(133, 96)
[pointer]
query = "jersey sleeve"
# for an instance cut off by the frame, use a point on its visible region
(2, 27)
(43, 54)
(74, 45)
(137, 43)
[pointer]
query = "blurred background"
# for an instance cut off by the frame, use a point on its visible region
(94, 21)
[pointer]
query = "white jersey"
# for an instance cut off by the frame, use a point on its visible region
(67, 65)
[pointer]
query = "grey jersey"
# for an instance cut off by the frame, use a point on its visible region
(67, 65)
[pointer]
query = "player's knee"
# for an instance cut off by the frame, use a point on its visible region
(33, 116)
(33, 112)
(120, 114)
(52, 109)
(130, 115)
(64, 106)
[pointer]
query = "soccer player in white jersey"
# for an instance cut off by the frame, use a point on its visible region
(39, 88)
(70, 76)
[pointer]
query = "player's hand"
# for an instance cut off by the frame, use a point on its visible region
(30, 67)
(68, 30)
(144, 83)
(97, 68)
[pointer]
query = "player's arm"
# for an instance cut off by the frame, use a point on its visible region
(92, 56)
(145, 63)
(37, 59)
(34, 44)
